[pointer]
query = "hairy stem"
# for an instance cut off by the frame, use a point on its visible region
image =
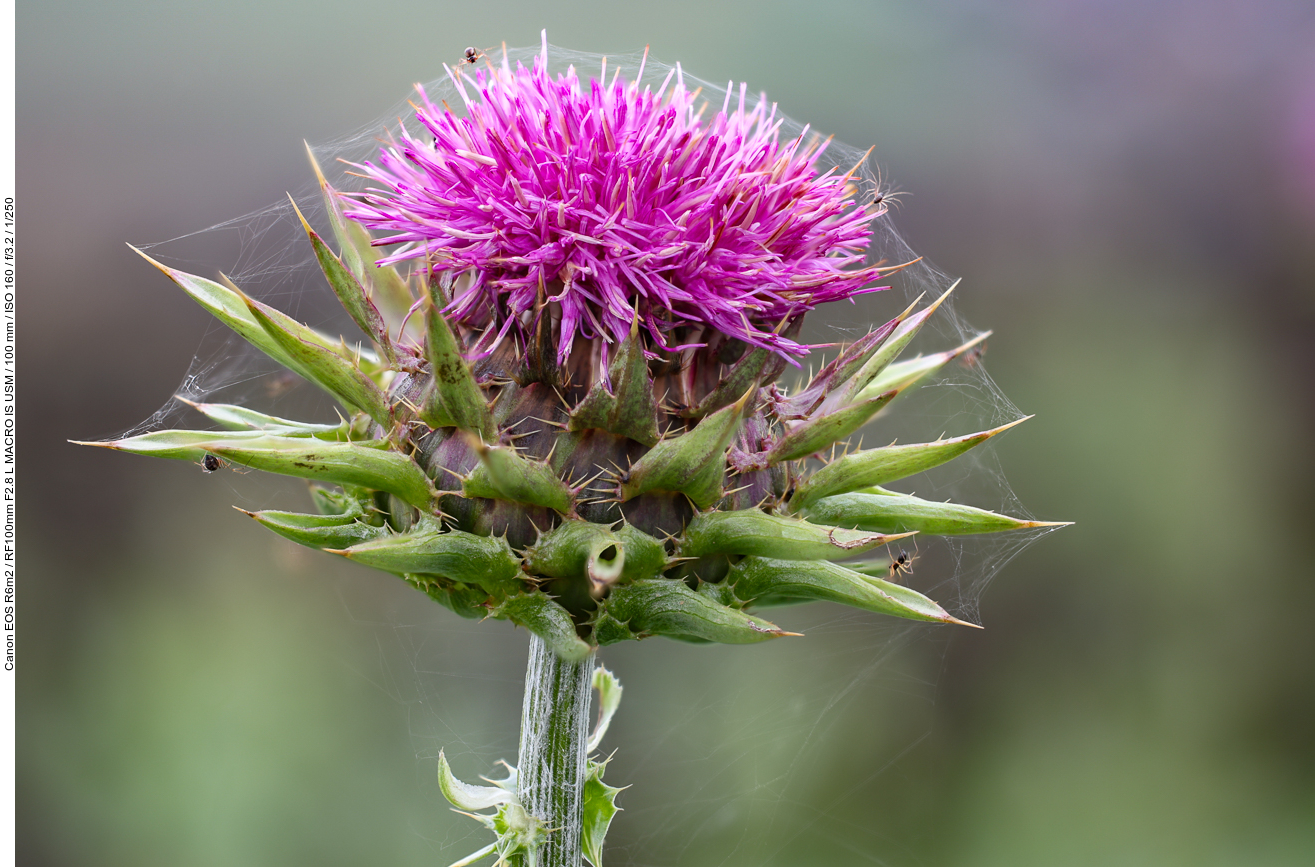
(554, 728)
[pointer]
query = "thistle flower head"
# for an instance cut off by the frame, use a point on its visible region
(633, 491)
(593, 203)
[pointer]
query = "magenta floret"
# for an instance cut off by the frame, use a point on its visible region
(608, 200)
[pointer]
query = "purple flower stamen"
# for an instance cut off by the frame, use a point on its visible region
(609, 201)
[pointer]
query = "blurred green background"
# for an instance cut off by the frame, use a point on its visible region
(1128, 189)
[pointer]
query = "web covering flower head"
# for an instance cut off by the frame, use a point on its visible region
(612, 202)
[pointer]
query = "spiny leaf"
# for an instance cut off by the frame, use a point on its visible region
(756, 577)
(848, 391)
(504, 474)
(318, 531)
(904, 374)
(824, 430)
(456, 398)
(663, 607)
(340, 463)
(463, 795)
(240, 418)
(485, 561)
(740, 378)
(888, 512)
(356, 502)
(358, 254)
(578, 549)
(349, 291)
(848, 362)
(693, 463)
(538, 613)
(519, 834)
(186, 445)
(466, 600)
(646, 557)
(229, 307)
(878, 466)
(627, 408)
(750, 531)
(609, 699)
(598, 809)
(336, 375)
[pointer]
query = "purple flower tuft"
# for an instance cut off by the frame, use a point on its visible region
(610, 201)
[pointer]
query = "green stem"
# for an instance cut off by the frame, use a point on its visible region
(554, 728)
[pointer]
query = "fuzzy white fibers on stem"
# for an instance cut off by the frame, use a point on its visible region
(554, 728)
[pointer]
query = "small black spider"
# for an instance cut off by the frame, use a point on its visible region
(903, 564)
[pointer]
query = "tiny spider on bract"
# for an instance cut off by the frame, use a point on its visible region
(212, 463)
(903, 564)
